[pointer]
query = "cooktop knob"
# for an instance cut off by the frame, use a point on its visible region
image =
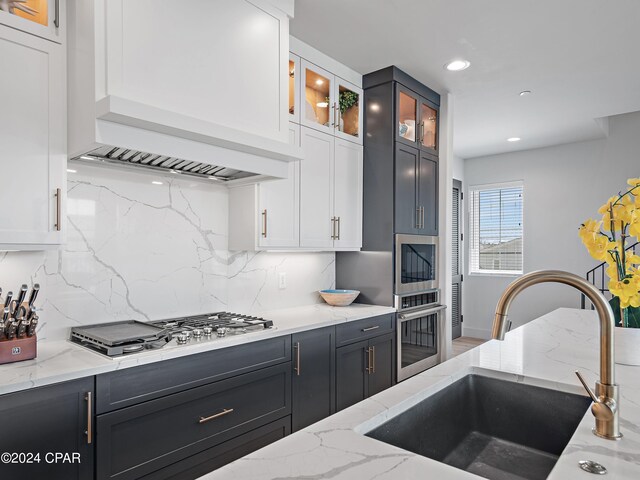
(221, 331)
(207, 331)
(186, 333)
(197, 333)
(181, 339)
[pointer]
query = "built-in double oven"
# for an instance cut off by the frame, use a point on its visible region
(417, 299)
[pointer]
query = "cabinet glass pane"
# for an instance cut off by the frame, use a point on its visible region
(34, 10)
(317, 97)
(292, 87)
(348, 105)
(407, 117)
(429, 122)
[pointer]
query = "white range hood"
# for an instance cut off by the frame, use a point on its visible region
(201, 91)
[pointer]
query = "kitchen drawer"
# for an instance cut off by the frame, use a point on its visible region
(358, 330)
(135, 385)
(204, 462)
(142, 439)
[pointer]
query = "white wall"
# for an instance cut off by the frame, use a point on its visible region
(563, 186)
(144, 251)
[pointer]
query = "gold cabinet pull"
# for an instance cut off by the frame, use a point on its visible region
(296, 367)
(225, 411)
(367, 360)
(264, 223)
(89, 431)
(373, 359)
(58, 195)
(338, 234)
(333, 228)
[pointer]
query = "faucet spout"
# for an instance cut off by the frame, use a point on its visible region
(605, 409)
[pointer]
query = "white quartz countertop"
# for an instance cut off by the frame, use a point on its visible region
(545, 352)
(60, 361)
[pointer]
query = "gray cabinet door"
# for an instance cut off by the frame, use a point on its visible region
(428, 193)
(350, 374)
(313, 376)
(406, 189)
(382, 368)
(47, 420)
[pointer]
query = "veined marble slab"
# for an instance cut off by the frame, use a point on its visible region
(545, 352)
(61, 360)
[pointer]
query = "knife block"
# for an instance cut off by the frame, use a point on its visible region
(18, 349)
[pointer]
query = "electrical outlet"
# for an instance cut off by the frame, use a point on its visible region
(282, 280)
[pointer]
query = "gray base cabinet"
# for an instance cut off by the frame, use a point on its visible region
(365, 359)
(44, 421)
(313, 376)
(182, 418)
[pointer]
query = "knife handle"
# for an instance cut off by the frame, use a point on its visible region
(34, 295)
(2, 335)
(31, 330)
(7, 300)
(22, 329)
(5, 316)
(11, 330)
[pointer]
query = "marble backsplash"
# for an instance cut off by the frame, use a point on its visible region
(145, 251)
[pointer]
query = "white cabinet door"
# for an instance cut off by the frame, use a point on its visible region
(348, 110)
(44, 18)
(348, 194)
(316, 98)
(279, 205)
(32, 140)
(316, 189)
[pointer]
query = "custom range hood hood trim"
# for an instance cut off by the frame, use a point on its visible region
(126, 125)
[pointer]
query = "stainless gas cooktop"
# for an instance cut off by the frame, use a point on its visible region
(131, 336)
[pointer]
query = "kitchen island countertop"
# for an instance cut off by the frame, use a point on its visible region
(545, 352)
(61, 360)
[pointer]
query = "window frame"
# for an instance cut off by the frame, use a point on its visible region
(472, 231)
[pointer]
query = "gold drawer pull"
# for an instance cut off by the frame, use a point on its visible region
(217, 415)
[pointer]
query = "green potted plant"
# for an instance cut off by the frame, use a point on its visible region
(607, 240)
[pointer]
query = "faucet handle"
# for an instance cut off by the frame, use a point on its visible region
(587, 388)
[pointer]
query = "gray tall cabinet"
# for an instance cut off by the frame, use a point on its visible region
(401, 125)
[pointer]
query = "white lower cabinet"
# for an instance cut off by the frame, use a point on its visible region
(32, 141)
(330, 192)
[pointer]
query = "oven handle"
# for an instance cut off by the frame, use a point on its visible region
(420, 313)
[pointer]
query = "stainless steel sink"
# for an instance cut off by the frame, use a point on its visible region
(493, 428)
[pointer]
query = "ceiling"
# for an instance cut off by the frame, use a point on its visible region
(580, 58)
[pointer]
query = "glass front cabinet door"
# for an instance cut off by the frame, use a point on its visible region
(294, 88)
(43, 18)
(407, 115)
(316, 98)
(428, 126)
(348, 111)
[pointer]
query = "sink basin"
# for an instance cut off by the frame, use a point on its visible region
(493, 428)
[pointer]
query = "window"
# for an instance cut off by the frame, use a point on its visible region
(495, 224)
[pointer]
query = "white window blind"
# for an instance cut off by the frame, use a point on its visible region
(495, 224)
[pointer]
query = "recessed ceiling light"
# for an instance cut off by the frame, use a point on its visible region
(322, 104)
(457, 65)
(524, 93)
(513, 139)
(156, 182)
(71, 170)
(319, 81)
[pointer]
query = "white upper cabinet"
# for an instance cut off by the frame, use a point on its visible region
(207, 73)
(328, 103)
(43, 18)
(347, 206)
(32, 141)
(316, 189)
(266, 215)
